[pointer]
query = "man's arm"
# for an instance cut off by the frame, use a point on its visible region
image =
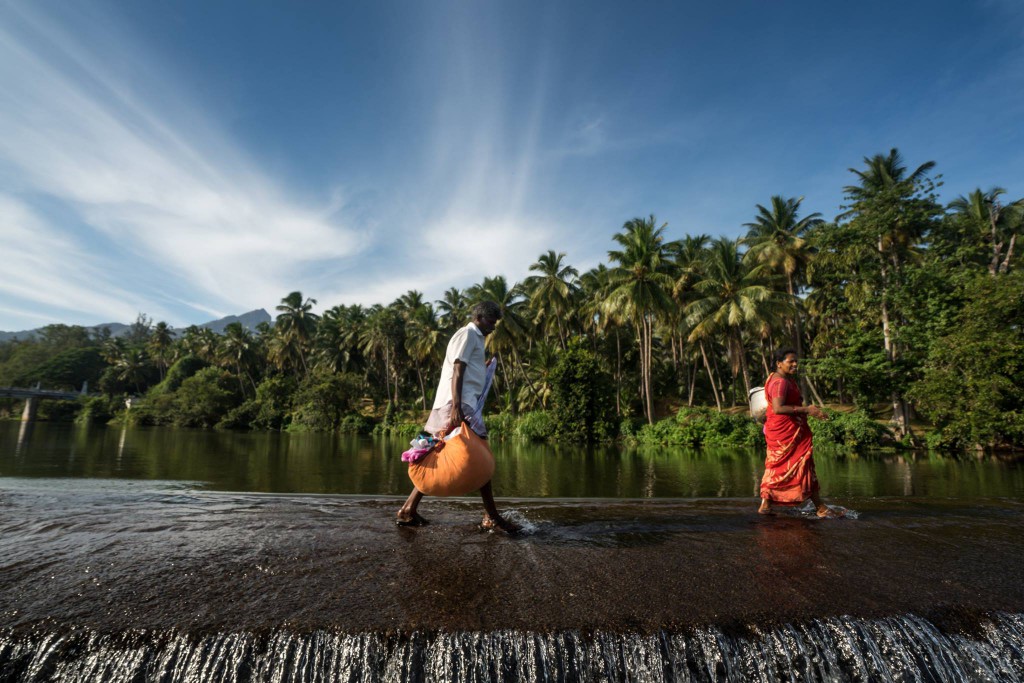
(458, 374)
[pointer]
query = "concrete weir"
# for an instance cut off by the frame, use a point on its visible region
(153, 574)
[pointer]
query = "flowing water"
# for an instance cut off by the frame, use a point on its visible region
(193, 556)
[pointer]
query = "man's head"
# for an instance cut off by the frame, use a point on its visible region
(486, 315)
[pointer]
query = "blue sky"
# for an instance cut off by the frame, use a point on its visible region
(196, 159)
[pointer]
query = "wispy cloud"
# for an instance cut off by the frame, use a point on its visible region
(47, 267)
(170, 190)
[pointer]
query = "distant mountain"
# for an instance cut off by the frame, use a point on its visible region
(248, 320)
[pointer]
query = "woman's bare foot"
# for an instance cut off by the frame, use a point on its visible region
(490, 523)
(766, 508)
(825, 512)
(405, 518)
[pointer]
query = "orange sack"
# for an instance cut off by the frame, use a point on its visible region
(455, 467)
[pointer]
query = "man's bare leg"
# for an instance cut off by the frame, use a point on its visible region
(492, 518)
(407, 515)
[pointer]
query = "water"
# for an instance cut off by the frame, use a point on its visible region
(836, 649)
(319, 463)
(192, 556)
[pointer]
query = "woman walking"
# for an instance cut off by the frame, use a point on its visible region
(789, 477)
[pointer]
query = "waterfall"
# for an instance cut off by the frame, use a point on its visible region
(907, 648)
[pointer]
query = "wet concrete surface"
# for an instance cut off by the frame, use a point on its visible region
(113, 556)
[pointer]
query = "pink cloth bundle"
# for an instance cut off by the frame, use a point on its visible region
(415, 454)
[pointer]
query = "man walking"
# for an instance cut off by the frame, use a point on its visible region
(459, 391)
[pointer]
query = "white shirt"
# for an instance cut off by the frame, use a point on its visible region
(466, 345)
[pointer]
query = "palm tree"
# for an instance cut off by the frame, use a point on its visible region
(409, 302)
(689, 258)
(778, 239)
(453, 309)
(200, 342)
(513, 330)
(236, 349)
(884, 173)
(598, 318)
(296, 324)
(338, 337)
(160, 344)
(423, 342)
(1000, 221)
(893, 209)
(639, 287)
(380, 338)
(113, 349)
(731, 297)
(552, 292)
(131, 367)
(537, 369)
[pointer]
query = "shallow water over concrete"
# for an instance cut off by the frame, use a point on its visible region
(114, 555)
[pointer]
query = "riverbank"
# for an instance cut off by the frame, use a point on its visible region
(848, 430)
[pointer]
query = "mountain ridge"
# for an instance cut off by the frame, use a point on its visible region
(249, 320)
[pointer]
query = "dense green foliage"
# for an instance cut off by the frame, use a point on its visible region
(850, 431)
(973, 380)
(582, 397)
(902, 306)
(534, 425)
(698, 427)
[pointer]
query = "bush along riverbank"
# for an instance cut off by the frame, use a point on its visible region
(691, 427)
(706, 427)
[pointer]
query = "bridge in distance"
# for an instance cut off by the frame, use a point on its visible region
(33, 395)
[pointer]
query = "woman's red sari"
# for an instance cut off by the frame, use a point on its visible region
(789, 477)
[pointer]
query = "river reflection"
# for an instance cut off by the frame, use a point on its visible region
(348, 464)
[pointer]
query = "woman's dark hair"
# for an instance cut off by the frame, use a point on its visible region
(780, 355)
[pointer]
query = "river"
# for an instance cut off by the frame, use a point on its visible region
(164, 554)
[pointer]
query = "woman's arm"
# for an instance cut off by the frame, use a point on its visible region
(780, 408)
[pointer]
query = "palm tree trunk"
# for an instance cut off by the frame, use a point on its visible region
(718, 378)
(526, 379)
(423, 387)
(302, 357)
(742, 352)
(387, 373)
(692, 372)
(618, 374)
(997, 248)
(645, 342)
(814, 392)
(898, 408)
(508, 385)
(711, 376)
(1004, 267)
(798, 336)
(643, 367)
(238, 374)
